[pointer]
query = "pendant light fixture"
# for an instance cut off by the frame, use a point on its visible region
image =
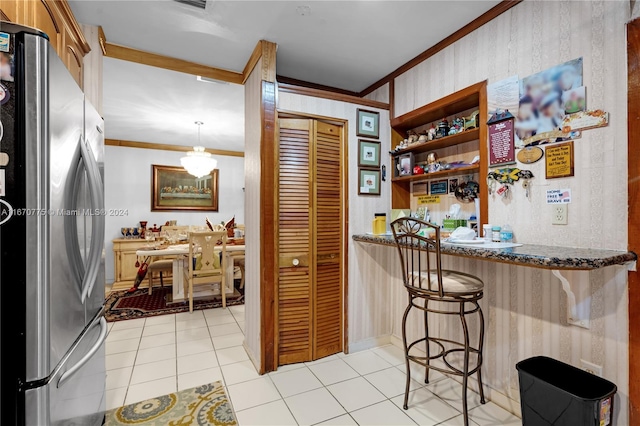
(198, 162)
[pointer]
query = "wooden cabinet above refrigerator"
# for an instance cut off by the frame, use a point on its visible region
(55, 18)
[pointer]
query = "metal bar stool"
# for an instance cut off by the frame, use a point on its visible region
(426, 281)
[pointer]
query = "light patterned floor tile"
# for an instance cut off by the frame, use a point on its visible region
(158, 340)
(295, 382)
(158, 353)
(194, 347)
(382, 413)
(119, 378)
(153, 371)
(115, 397)
(195, 362)
(239, 372)
(128, 324)
(252, 393)
(200, 377)
(331, 372)
(314, 406)
(366, 362)
(391, 382)
(152, 389)
(355, 393)
(121, 360)
(231, 355)
(491, 415)
(120, 346)
(426, 408)
(274, 413)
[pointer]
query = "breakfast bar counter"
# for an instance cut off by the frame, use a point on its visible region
(532, 255)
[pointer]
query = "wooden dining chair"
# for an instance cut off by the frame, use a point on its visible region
(206, 263)
(164, 266)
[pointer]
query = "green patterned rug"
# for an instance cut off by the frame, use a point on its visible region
(202, 405)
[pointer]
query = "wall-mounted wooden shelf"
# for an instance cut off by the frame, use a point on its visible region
(473, 97)
(445, 142)
(465, 170)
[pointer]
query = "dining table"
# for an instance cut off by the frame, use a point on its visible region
(178, 252)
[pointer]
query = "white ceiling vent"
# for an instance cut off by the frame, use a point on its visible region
(200, 4)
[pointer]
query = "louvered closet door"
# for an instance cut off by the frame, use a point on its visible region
(294, 309)
(327, 288)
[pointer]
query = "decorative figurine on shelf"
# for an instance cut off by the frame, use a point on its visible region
(424, 137)
(432, 132)
(432, 161)
(458, 123)
(418, 170)
(412, 136)
(452, 131)
(443, 128)
(472, 121)
(143, 229)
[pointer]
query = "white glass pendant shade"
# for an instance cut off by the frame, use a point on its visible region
(198, 162)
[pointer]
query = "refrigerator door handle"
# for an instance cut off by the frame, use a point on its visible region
(71, 221)
(101, 338)
(97, 221)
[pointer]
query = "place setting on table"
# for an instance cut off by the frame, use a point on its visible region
(166, 252)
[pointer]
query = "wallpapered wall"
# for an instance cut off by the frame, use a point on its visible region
(361, 209)
(527, 39)
(252, 132)
(525, 308)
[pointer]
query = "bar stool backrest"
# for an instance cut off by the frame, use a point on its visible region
(419, 273)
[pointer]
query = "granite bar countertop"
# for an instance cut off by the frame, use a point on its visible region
(537, 256)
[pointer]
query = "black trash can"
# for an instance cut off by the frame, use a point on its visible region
(558, 394)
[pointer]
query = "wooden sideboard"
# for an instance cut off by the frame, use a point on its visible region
(54, 18)
(124, 256)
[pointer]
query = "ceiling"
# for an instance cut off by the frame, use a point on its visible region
(149, 104)
(345, 44)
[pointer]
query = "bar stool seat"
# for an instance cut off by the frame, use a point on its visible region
(453, 293)
(452, 282)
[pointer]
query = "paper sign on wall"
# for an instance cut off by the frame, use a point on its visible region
(558, 196)
(429, 199)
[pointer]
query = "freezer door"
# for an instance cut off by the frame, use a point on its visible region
(66, 318)
(94, 235)
(75, 393)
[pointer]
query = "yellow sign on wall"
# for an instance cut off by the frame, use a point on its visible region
(559, 160)
(429, 199)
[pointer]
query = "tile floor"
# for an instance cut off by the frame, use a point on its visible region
(155, 356)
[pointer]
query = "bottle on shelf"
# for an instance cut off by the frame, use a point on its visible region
(506, 234)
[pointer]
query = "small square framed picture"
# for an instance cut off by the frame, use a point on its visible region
(369, 153)
(368, 182)
(368, 123)
(405, 164)
(437, 187)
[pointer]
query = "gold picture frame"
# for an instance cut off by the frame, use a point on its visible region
(174, 189)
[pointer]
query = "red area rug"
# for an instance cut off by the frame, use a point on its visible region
(121, 305)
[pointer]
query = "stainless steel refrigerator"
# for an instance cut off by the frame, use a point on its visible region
(52, 328)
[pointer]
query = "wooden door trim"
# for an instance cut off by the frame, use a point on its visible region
(633, 164)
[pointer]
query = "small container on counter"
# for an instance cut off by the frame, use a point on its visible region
(495, 234)
(506, 234)
(486, 232)
(380, 223)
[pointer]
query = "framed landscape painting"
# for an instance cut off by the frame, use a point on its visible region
(172, 188)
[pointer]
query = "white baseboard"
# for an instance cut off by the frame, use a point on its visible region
(256, 364)
(491, 394)
(369, 343)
